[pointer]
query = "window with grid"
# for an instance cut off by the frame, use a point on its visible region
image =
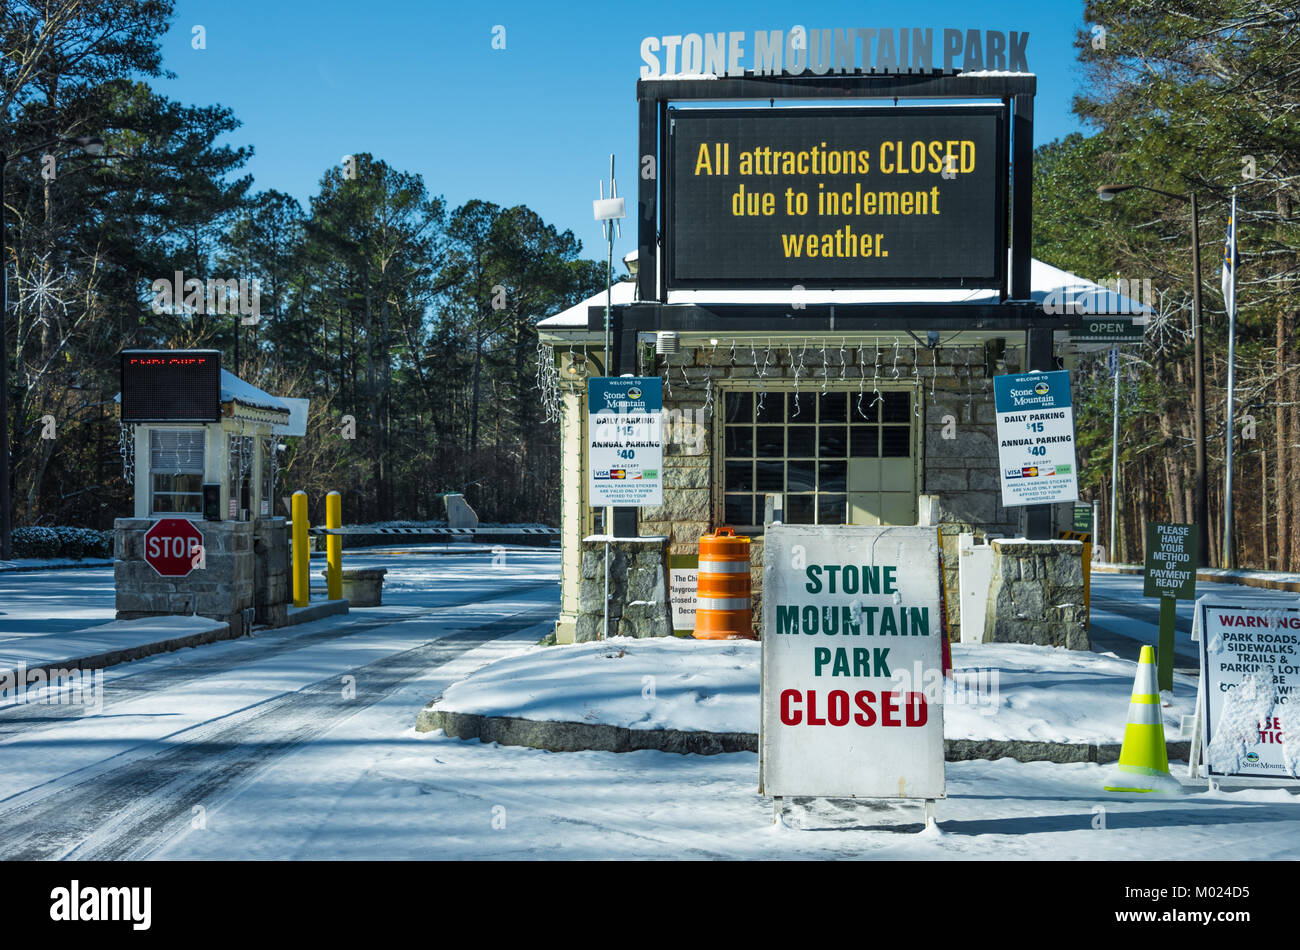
(176, 471)
(800, 444)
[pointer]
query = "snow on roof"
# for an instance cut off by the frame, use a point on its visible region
(1048, 286)
(234, 389)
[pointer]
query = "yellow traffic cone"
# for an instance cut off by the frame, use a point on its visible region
(1143, 763)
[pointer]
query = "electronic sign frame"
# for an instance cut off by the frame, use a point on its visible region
(980, 199)
(171, 386)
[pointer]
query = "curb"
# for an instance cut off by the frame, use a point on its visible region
(592, 737)
(139, 651)
(79, 566)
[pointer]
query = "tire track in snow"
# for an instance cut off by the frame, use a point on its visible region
(25, 719)
(128, 812)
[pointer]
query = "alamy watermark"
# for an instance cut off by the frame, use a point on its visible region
(53, 687)
(179, 294)
(1121, 297)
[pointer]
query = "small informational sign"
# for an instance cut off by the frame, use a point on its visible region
(1035, 438)
(1108, 330)
(1250, 702)
(1170, 570)
(683, 591)
(1170, 561)
(1082, 519)
(625, 453)
(852, 667)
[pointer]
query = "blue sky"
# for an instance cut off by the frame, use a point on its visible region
(419, 85)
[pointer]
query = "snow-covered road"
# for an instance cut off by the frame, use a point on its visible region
(299, 744)
(178, 734)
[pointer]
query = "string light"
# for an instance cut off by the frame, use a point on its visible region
(862, 376)
(798, 370)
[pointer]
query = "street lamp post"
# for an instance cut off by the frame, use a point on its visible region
(1201, 516)
(91, 145)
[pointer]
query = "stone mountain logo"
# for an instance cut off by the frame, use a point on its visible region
(634, 393)
(1042, 388)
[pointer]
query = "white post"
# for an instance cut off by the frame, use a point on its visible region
(1113, 554)
(1231, 302)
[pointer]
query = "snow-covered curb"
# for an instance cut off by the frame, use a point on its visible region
(586, 737)
(108, 644)
(1026, 699)
(21, 564)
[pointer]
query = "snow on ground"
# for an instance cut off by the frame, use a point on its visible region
(1000, 690)
(370, 787)
(371, 793)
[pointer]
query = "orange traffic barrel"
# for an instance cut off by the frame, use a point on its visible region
(722, 610)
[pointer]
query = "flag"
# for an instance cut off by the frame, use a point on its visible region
(1228, 276)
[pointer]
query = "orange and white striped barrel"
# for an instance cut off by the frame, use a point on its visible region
(722, 609)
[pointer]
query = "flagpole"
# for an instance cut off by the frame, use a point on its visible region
(1230, 264)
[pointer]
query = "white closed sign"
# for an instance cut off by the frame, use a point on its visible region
(852, 677)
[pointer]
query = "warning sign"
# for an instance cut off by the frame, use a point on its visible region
(1250, 655)
(683, 591)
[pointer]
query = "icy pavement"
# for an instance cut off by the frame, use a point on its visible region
(176, 733)
(1123, 620)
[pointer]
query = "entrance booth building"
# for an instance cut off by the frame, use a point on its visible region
(862, 394)
(850, 428)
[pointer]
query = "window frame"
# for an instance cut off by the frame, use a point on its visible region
(154, 493)
(849, 385)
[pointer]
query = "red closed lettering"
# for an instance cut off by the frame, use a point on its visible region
(889, 709)
(839, 708)
(868, 715)
(790, 716)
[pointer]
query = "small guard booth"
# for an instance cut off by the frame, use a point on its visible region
(201, 454)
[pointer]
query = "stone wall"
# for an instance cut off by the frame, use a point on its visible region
(221, 589)
(638, 585)
(1037, 594)
(272, 584)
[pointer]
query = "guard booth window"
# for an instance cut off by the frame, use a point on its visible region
(176, 471)
(837, 458)
(240, 456)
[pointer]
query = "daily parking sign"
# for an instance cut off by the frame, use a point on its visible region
(625, 453)
(1035, 438)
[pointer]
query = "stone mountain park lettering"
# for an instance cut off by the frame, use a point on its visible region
(855, 618)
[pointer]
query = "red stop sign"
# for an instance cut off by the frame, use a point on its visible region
(173, 546)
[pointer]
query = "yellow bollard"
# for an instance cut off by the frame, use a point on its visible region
(334, 545)
(301, 555)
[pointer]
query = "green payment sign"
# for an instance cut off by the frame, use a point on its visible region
(1170, 561)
